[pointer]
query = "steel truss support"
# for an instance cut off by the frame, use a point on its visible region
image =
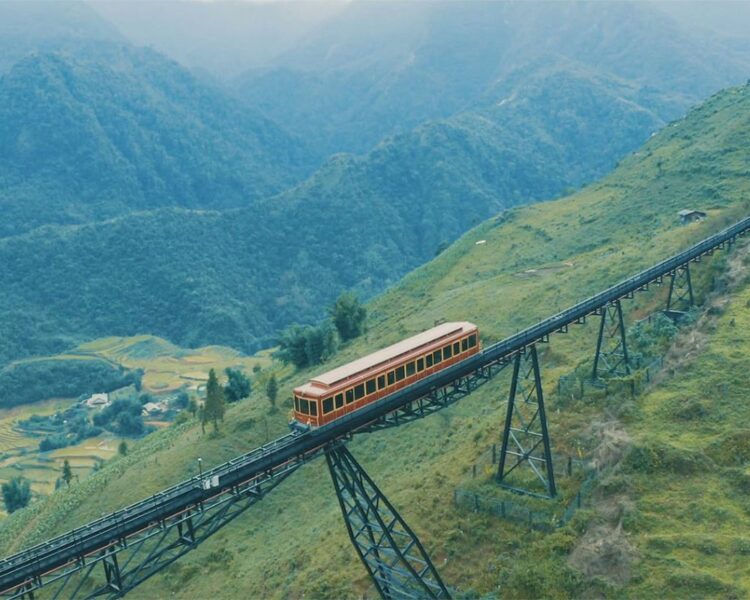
(437, 399)
(120, 567)
(611, 358)
(390, 551)
(525, 434)
(680, 298)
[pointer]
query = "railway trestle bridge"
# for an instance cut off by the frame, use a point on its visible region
(112, 555)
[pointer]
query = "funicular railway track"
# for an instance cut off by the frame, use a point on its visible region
(199, 506)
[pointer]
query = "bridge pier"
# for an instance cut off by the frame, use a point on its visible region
(526, 426)
(680, 298)
(611, 358)
(390, 551)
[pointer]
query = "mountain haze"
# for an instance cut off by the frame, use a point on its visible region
(376, 69)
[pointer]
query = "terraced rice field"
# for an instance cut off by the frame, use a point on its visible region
(168, 367)
(19, 450)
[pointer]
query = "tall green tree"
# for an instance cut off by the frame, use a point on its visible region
(348, 316)
(16, 493)
(67, 472)
(305, 346)
(272, 390)
(238, 386)
(213, 410)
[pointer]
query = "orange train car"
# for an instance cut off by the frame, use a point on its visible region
(350, 387)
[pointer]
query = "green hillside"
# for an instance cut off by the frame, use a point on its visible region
(127, 129)
(657, 453)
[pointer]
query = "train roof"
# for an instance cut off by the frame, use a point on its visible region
(385, 355)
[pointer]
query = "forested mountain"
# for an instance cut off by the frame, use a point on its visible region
(238, 277)
(169, 207)
(84, 139)
(376, 69)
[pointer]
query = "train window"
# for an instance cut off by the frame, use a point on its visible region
(313, 408)
(464, 345)
(420, 364)
(447, 352)
(303, 406)
(370, 386)
(296, 403)
(391, 377)
(359, 391)
(339, 400)
(349, 396)
(429, 360)
(400, 373)
(328, 405)
(457, 348)
(472, 340)
(437, 356)
(381, 382)
(411, 368)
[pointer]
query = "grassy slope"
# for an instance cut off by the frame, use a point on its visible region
(294, 542)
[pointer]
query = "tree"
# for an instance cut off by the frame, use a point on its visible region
(304, 346)
(67, 472)
(122, 449)
(182, 400)
(238, 386)
(348, 316)
(272, 390)
(213, 410)
(192, 407)
(16, 493)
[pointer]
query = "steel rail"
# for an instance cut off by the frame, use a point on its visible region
(83, 541)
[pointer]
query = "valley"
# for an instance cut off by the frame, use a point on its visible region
(607, 231)
(206, 205)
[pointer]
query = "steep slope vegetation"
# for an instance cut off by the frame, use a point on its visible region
(532, 261)
(347, 89)
(86, 139)
(236, 278)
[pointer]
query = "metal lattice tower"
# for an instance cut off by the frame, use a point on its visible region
(391, 552)
(680, 298)
(525, 435)
(611, 358)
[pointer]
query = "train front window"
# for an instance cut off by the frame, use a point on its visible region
(304, 406)
(349, 396)
(296, 403)
(464, 345)
(313, 408)
(410, 369)
(420, 365)
(437, 357)
(381, 382)
(359, 391)
(370, 386)
(339, 400)
(328, 405)
(472, 340)
(447, 352)
(400, 373)
(456, 348)
(391, 378)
